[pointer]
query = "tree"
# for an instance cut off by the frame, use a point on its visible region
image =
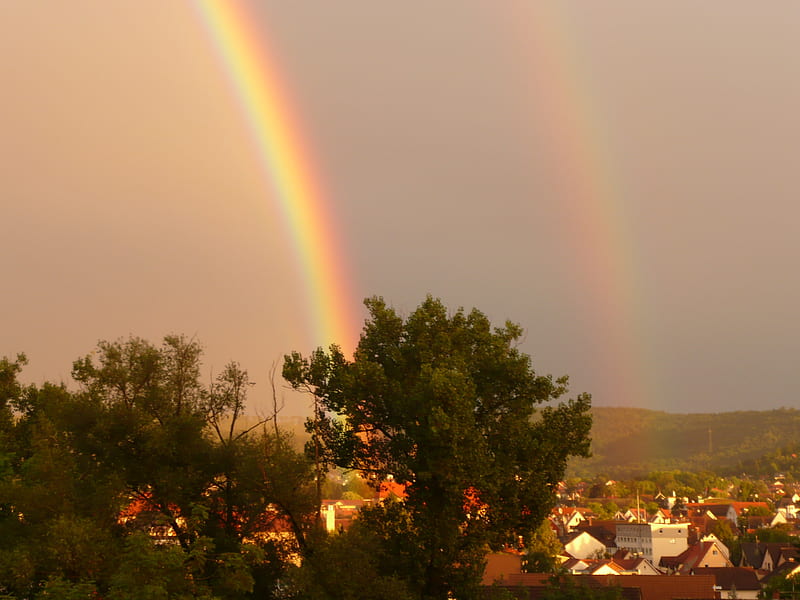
(87, 477)
(448, 406)
(153, 413)
(351, 565)
(781, 586)
(542, 550)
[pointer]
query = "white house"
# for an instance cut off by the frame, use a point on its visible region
(653, 540)
(584, 545)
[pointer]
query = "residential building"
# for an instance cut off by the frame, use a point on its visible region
(584, 545)
(653, 540)
(701, 554)
(733, 582)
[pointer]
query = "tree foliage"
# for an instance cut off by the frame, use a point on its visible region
(543, 549)
(450, 407)
(92, 481)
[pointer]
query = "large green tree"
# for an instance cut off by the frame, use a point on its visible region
(88, 476)
(451, 407)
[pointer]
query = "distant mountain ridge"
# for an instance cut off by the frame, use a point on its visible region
(634, 441)
(629, 442)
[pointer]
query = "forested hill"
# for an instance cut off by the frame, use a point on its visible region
(634, 441)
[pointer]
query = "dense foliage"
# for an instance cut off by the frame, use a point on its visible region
(141, 484)
(145, 483)
(446, 405)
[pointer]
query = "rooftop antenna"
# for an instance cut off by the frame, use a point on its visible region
(638, 514)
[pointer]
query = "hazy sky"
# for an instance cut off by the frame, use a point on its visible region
(620, 178)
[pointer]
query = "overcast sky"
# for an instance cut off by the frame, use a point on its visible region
(618, 177)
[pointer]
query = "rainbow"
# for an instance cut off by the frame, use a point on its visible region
(307, 213)
(593, 214)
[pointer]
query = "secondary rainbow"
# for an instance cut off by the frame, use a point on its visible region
(306, 211)
(592, 190)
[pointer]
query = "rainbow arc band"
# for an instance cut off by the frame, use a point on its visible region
(307, 213)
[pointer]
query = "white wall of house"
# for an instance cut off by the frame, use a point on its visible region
(720, 546)
(653, 540)
(585, 545)
(605, 570)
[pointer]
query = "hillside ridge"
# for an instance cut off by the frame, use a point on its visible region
(635, 441)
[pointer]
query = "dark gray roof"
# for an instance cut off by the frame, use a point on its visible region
(743, 578)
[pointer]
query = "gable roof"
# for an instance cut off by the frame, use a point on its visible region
(779, 552)
(694, 556)
(726, 577)
(601, 533)
(607, 565)
(633, 565)
(571, 537)
(786, 569)
(574, 564)
(752, 554)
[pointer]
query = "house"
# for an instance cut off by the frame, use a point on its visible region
(718, 511)
(733, 582)
(621, 564)
(662, 515)
(703, 520)
(603, 567)
(776, 554)
(701, 554)
(787, 506)
(605, 531)
(567, 518)
(637, 566)
(712, 538)
(768, 556)
(652, 540)
(761, 522)
(752, 555)
(338, 515)
(574, 566)
(632, 515)
(786, 570)
(582, 544)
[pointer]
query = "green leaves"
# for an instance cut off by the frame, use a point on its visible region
(143, 484)
(447, 405)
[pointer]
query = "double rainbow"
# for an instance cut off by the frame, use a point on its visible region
(595, 217)
(286, 160)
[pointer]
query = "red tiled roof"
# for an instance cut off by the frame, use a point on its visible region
(652, 587)
(690, 558)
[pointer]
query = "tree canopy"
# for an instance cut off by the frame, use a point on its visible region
(141, 483)
(451, 408)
